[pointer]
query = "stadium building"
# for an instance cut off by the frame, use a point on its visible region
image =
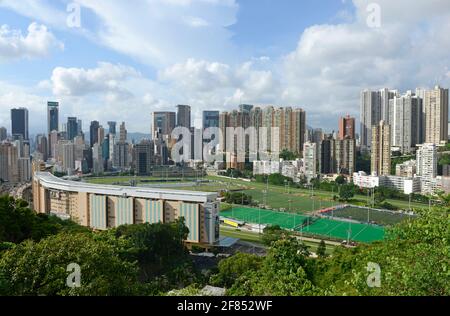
(104, 206)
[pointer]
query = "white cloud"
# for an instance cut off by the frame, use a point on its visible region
(106, 78)
(38, 42)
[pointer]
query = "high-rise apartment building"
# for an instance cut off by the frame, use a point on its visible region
(310, 161)
(123, 134)
(326, 156)
(427, 162)
(381, 149)
(436, 115)
(374, 107)
(52, 117)
(42, 146)
(347, 127)
(9, 169)
(19, 122)
(345, 155)
(406, 120)
(184, 116)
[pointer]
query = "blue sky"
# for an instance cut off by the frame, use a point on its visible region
(126, 61)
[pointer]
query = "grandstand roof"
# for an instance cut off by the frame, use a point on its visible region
(49, 181)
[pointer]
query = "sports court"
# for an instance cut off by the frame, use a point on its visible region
(321, 227)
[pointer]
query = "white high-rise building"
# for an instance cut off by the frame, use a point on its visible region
(374, 107)
(310, 160)
(406, 122)
(427, 166)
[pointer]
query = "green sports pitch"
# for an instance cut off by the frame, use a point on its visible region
(323, 228)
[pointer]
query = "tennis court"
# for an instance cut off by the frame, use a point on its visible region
(266, 217)
(338, 229)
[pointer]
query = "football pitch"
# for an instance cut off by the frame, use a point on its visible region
(320, 227)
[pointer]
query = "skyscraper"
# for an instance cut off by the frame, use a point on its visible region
(184, 116)
(436, 115)
(19, 122)
(347, 127)
(72, 128)
(310, 160)
(3, 134)
(427, 162)
(143, 155)
(345, 155)
(123, 134)
(112, 127)
(52, 117)
(93, 132)
(374, 107)
(164, 122)
(381, 149)
(406, 122)
(327, 155)
(210, 119)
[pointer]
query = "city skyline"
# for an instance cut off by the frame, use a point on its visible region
(40, 62)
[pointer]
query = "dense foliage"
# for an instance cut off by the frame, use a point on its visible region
(414, 260)
(35, 251)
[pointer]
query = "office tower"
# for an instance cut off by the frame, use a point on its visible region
(105, 148)
(42, 146)
(9, 170)
(347, 127)
(345, 156)
(123, 134)
(80, 128)
(210, 119)
(381, 149)
(406, 122)
(97, 159)
(143, 155)
(310, 160)
(326, 155)
(3, 134)
(93, 133)
(164, 122)
(436, 115)
(52, 117)
(72, 128)
(19, 122)
(184, 116)
(101, 135)
(112, 127)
